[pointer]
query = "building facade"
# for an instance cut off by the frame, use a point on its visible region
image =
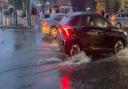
(124, 5)
(83, 5)
(110, 6)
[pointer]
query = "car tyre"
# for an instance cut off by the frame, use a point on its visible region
(53, 32)
(75, 49)
(119, 45)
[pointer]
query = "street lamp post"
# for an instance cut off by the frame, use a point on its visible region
(2, 14)
(28, 13)
(15, 12)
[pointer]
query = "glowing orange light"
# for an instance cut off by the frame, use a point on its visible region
(45, 24)
(45, 27)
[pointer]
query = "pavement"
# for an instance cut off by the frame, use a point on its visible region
(8, 22)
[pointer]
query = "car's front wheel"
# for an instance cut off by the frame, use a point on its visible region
(53, 32)
(75, 49)
(119, 45)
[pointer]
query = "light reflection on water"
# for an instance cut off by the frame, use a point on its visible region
(12, 41)
(106, 73)
(96, 75)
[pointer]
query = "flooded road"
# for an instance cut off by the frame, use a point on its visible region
(12, 40)
(29, 60)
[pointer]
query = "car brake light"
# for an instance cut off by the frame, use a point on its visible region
(66, 31)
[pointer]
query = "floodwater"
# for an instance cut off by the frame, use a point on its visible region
(30, 60)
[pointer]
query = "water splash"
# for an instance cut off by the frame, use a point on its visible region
(77, 59)
(53, 59)
(123, 53)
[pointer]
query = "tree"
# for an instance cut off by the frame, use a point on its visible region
(11, 2)
(18, 6)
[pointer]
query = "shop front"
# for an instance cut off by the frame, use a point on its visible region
(110, 6)
(100, 5)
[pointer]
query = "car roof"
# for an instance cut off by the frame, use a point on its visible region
(53, 15)
(57, 14)
(82, 13)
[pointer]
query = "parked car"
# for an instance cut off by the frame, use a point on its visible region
(89, 32)
(123, 22)
(48, 25)
(122, 14)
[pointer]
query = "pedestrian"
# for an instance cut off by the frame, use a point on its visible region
(57, 9)
(11, 10)
(114, 21)
(23, 15)
(102, 12)
(107, 16)
(33, 10)
(33, 14)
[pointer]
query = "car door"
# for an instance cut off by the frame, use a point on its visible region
(104, 36)
(88, 34)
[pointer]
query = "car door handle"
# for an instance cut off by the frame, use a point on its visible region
(101, 33)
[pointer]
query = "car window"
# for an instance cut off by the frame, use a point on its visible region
(70, 20)
(66, 20)
(85, 21)
(99, 22)
(75, 21)
(59, 17)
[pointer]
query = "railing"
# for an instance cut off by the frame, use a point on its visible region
(123, 20)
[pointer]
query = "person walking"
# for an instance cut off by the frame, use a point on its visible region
(11, 10)
(102, 12)
(114, 22)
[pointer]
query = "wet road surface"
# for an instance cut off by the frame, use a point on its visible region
(29, 60)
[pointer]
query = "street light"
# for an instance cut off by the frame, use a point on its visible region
(2, 13)
(15, 12)
(28, 13)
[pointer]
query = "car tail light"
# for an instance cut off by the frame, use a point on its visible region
(67, 31)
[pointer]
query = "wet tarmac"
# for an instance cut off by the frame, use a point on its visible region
(30, 60)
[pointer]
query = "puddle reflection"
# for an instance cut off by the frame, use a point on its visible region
(104, 75)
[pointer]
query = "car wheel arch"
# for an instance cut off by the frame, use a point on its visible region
(121, 39)
(119, 45)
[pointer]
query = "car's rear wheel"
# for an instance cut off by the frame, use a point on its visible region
(75, 49)
(53, 32)
(119, 45)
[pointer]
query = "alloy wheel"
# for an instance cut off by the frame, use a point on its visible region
(119, 46)
(74, 50)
